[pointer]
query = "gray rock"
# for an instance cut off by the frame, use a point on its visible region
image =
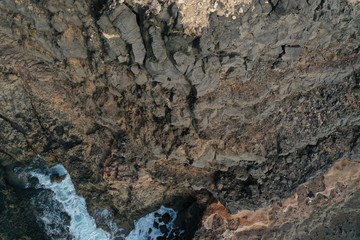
(184, 62)
(58, 22)
(205, 75)
(130, 32)
(114, 44)
(292, 53)
(72, 43)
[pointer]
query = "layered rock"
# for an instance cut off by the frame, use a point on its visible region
(143, 107)
(323, 208)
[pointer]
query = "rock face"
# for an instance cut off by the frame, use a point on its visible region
(324, 208)
(144, 108)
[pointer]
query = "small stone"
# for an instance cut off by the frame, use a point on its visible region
(163, 229)
(166, 218)
(141, 79)
(13, 77)
(123, 59)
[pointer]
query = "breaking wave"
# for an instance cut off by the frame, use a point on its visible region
(63, 214)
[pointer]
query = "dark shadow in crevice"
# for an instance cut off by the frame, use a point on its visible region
(97, 7)
(190, 211)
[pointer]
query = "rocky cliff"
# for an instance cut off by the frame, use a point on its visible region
(240, 109)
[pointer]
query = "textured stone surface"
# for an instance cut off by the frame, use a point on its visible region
(256, 103)
(325, 208)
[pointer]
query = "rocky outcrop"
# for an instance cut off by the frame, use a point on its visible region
(143, 108)
(324, 208)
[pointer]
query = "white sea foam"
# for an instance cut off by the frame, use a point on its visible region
(145, 229)
(82, 225)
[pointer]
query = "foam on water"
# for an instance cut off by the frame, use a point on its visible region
(149, 226)
(82, 225)
(62, 201)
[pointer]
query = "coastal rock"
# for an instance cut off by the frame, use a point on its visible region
(298, 216)
(146, 102)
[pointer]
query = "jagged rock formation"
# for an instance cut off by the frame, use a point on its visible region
(144, 108)
(324, 208)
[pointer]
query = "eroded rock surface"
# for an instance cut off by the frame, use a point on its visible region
(143, 108)
(324, 208)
